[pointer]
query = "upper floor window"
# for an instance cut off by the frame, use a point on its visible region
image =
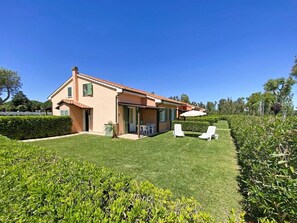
(87, 89)
(69, 92)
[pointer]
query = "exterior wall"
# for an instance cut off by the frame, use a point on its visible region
(62, 94)
(150, 102)
(148, 116)
(103, 102)
(165, 126)
(128, 98)
(63, 107)
(77, 118)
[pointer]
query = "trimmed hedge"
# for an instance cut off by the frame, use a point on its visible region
(267, 154)
(211, 119)
(30, 127)
(37, 186)
(192, 125)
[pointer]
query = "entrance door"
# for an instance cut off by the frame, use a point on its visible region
(132, 119)
(86, 120)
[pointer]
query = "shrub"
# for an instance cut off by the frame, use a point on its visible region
(37, 186)
(29, 127)
(267, 153)
(192, 125)
(211, 119)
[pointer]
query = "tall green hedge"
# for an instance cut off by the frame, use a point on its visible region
(267, 153)
(30, 127)
(37, 186)
(211, 119)
(192, 125)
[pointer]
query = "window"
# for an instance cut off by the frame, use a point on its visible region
(69, 92)
(162, 115)
(131, 115)
(87, 89)
(64, 112)
(172, 114)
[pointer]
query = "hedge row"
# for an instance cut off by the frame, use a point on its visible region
(267, 153)
(30, 127)
(36, 186)
(192, 125)
(211, 119)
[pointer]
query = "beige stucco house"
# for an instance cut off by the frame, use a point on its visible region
(92, 103)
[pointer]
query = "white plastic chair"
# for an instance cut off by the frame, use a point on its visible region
(211, 133)
(144, 129)
(178, 130)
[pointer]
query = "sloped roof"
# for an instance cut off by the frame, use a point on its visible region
(130, 89)
(71, 102)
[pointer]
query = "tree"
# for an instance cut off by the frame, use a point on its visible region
(174, 98)
(254, 103)
(46, 104)
(185, 98)
(294, 69)
(36, 105)
(211, 107)
(201, 105)
(239, 106)
(281, 88)
(268, 101)
(10, 83)
(21, 99)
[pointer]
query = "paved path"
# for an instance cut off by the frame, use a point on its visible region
(124, 136)
(48, 138)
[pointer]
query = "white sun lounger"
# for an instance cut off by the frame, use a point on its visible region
(211, 133)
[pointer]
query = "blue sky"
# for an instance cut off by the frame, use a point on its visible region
(207, 49)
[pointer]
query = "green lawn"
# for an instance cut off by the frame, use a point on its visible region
(187, 166)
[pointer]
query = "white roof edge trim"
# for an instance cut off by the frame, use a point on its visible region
(150, 97)
(171, 103)
(101, 83)
(59, 88)
(158, 100)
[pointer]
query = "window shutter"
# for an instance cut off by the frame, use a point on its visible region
(166, 114)
(89, 89)
(69, 92)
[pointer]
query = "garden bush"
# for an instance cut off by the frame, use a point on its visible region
(37, 186)
(211, 119)
(192, 125)
(267, 154)
(30, 127)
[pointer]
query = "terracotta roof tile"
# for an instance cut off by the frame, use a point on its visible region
(71, 102)
(130, 89)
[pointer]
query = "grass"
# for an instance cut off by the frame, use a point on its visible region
(188, 166)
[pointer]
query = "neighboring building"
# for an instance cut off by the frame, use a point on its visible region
(92, 103)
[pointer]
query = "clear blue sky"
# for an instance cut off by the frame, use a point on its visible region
(205, 48)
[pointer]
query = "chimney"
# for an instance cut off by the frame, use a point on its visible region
(75, 83)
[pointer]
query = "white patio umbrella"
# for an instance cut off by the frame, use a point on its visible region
(193, 113)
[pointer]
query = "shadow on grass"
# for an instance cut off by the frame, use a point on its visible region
(192, 134)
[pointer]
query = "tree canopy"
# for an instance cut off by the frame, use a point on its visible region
(10, 83)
